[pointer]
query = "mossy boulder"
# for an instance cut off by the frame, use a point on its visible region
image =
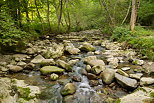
(51, 69)
(68, 89)
(64, 65)
(87, 47)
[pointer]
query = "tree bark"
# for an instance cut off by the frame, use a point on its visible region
(133, 15)
(48, 15)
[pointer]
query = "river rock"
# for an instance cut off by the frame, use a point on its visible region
(68, 89)
(73, 62)
(64, 65)
(72, 50)
(91, 76)
(125, 68)
(54, 76)
(69, 99)
(136, 76)
(146, 81)
(55, 51)
(108, 76)
(22, 64)
(93, 83)
(96, 62)
(29, 66)
(122, 73)
(138, 62)
(51, 69)
(149, 67)
(15, 68)
(126, 82)
(38, 59)
(76, 78)
(47, 62)
(88, 58)
(87, 47)
(97, 69)
(88, 68)
(113, 62)
(141, 95)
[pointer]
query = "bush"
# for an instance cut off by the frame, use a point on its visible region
(10, 36)
(140, 39)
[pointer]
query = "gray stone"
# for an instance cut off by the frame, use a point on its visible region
(125, 68)
(97, 69)
(54, 76)
(146, 81)
(15, 68)
(126, 82)
(38, 59)
(136, 76)
(87, 47)
(51, 69)
(64, 65)
(141, 95)
(108, 76)
(122, 73)
(68, 89)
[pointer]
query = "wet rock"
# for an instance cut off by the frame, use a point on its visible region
(113, 62)
(83, 72)
(38, 59)
(126, 82)
(97, 69)
(87, 59)
(138, 62)
(91, 76)
(87, 47)
(64, 81)
(68, 89)
(54, 76)
(72, 50)
(149, 67)
(55, 51)
(29, 66)
(122, 73)
(136, 76)
(93, 83)
(22, 64)
(15, 68)
(96, 62)
(97, 52)
(69, 99)
(88, 68)
(51, 69)
(3, 69)
(108, 76)
(73, 62)
(141, 95)
(64, 65)
(146, 81)
(125, 68)
(47, 62)
(20, 57)
(76, 78)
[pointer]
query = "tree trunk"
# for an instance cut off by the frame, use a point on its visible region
(133, 15)
(60, 14)
(48, 15)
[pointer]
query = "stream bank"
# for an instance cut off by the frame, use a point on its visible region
(80, 67)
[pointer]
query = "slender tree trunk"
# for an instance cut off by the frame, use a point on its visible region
(60, 14)
(38, 14)
(128, 10)
(48, 15)
(133, 15)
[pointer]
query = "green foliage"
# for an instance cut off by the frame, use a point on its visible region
(9, 34)
(141, 39)
(152, 94)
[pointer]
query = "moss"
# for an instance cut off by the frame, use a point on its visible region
(24, 93)
(142, 89)
(118, 101)
(152, 94)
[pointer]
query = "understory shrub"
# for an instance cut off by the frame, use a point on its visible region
(140, 39)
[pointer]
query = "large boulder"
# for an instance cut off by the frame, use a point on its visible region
(141, 95)
(108, 76)
(87, 47)
(64, 65)
(68, 89)
(51, 69)
(126, 82)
